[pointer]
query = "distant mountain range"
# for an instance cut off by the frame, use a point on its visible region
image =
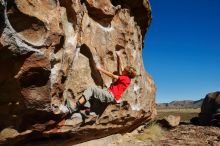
(180, 104)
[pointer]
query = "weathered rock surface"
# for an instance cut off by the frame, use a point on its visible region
(210, 109)
(170, 121)
(48, 52)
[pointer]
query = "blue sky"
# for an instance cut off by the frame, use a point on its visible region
(182, 48)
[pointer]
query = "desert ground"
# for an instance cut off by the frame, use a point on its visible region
(186, 114)
(152, 134)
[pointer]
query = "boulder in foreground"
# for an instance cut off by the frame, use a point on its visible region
(48, 52)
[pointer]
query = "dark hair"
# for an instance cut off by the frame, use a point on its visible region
(131, 71)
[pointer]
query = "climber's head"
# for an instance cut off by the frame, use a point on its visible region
(129, 71)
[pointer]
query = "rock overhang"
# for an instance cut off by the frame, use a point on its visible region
(54, 56)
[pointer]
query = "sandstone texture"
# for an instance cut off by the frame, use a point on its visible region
(48, 53)
(170, 121)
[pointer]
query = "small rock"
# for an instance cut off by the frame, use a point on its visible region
(9, 133)
(140, 128)
(170, 121)
(76, 119)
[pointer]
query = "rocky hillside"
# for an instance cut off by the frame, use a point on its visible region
(180, 104)
(48, 53)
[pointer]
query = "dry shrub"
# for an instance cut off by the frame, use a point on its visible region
(152, 132)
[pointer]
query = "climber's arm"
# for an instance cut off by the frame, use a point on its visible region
(107, 73)
(120, 64)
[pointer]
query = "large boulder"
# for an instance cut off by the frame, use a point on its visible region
(210, 109)
(48, 52)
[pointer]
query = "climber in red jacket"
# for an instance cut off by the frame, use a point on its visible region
(108, 95)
